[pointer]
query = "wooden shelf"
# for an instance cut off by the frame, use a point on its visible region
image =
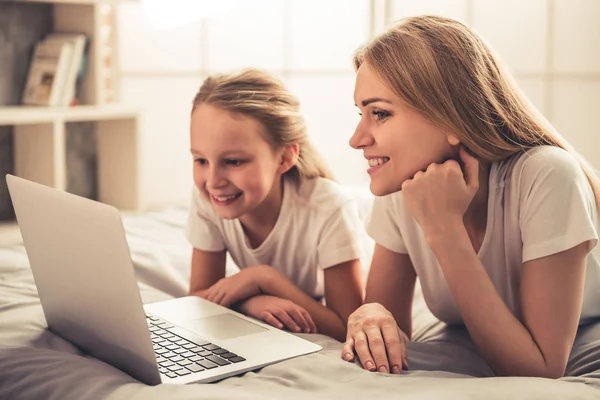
(21, 115)
(78, 1)
(40, 133)
(40, 147)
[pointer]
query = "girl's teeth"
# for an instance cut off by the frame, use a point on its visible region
(373, 162)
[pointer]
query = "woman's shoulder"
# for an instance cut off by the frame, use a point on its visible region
(539, 163)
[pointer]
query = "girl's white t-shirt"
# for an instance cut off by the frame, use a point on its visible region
(540, 203)
(318, 227)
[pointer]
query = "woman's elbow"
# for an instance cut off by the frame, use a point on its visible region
(549, 373)
(554, 372)
(546, 371)
(554, 367)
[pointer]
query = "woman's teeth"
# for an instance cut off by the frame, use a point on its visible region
(373, 162)
(226, 198)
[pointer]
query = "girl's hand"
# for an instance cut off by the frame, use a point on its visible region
(374, 334)
(230, 290)
(440, 196)
(279, 313)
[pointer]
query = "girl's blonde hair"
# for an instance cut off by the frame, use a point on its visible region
(446, 71)
(262, 97)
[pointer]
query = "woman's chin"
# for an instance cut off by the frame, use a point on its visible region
(379, 188)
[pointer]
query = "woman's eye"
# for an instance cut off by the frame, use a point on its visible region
(201, 161)
(380, 115)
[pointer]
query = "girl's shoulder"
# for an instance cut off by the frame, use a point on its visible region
(325, 195)
(202, 206)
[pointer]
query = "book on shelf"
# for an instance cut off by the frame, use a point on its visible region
(47, 74)
(56, 70)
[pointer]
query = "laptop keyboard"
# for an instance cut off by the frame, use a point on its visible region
(179, 354)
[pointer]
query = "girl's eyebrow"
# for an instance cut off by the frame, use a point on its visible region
(224, 154)
(234, 153)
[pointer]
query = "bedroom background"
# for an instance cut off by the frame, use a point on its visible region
(161, 52)
(164, 49)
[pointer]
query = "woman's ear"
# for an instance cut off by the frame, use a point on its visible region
(453, 140)
(289, 158)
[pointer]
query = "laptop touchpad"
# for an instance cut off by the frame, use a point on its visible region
(222, 326)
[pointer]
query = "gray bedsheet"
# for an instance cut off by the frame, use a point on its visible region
(36, 364)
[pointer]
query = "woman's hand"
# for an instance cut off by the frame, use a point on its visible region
(375, 337)
(279, 313)
(440, 196)
(238, 287)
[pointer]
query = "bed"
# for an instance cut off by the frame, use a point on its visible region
(36, 364)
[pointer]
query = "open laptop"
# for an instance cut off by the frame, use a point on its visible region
(82, 268)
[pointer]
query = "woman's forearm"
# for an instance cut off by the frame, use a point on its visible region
(502, 339)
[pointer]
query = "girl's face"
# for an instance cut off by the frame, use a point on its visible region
(235, 169)
(396, 140)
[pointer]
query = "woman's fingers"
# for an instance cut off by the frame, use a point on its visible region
(348, 350)
(378, 350)
(377, 347)
(361, 346)
(394, 345)
(376, 339)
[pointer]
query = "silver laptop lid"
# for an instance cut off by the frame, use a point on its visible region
(82, 268)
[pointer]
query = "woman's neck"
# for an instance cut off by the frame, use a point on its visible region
(259, 223)
(475, 218)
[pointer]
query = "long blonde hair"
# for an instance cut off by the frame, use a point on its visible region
(446, 71)
(262, 97)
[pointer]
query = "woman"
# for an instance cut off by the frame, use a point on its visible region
(478, 196)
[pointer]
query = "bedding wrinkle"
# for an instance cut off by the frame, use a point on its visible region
(36, 364)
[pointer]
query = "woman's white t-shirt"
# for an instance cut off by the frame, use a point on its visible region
(540, 203)
(318, 227)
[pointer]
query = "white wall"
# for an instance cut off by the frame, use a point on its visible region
(551, 46)
(298, 40)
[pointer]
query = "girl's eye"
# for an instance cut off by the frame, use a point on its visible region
(234, 163)
(201, 161)
(380, 115)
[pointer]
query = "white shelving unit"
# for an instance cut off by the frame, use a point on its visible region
(39, 132)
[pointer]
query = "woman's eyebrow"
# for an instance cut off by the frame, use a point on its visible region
(366, 102)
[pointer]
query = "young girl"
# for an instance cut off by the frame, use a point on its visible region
(479, 197)
(263, 194)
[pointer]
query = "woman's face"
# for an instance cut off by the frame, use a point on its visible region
(396, 140)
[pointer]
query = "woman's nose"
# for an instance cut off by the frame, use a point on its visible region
(361, 138)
